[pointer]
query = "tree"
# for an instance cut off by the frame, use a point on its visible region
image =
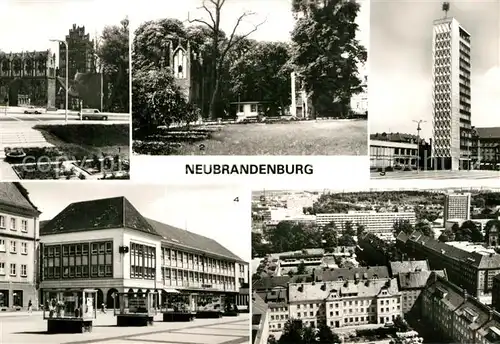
(301, 269)
(447, 235)
(470, 232)
(347, 240)
(330, 238)
(292, 332)
(327, 54)
(401, 324)
(326, 336)
(360, 230)
(263, 73)
(113, 52)
(219, 47)
(425, 228)
(402, 226)
(271, 339)
(157, 100)
(349, 229)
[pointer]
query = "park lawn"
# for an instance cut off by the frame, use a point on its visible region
(85, 140)
(323, 137)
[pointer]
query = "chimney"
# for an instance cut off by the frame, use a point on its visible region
(466, 295)
(490, 315)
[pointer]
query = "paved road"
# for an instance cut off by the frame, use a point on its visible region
(440, 175)
(228, 330)
(59, 117)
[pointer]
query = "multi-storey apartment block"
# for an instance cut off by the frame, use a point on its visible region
(473, 271)
(373, 221)
(457, 206)
(18, 247)
(451, 72)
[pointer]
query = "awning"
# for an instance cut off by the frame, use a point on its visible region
(171, 291)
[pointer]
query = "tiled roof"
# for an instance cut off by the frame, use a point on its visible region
(409, 266)
(361, 273)
(414, 279)
(472, 258)
(182, 237)
(473, 306)
(43, 223)
(15, 194)
(258, 305)
(97, 214)
(321, 290)
(486, 133)
(267, 283)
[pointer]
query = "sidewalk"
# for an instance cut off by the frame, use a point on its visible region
(19, 313)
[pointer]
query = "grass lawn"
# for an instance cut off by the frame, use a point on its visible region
(324, 137)
(85, 140)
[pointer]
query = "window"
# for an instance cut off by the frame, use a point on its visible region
(2, 222)
(24, 248)
(23, 270)
(2, 268)
(24, 226)
(12, 269)
(253, 108)
(12, 246)
(12, 224)
(2, 245)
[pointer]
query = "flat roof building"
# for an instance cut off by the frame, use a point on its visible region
(374, 222)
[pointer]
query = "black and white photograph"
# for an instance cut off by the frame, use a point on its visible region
(126, 267)
(259, 77)
(376, 266)
(64, 90)
(435, 72)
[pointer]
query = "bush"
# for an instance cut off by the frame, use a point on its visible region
(155, 147)
(90, 134)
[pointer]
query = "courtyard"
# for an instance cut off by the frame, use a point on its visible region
(314, 137)
(25, 328)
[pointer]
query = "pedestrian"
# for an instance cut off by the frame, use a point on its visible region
(30, 306)
(103, 308)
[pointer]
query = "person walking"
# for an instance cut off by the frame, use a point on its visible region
(103, 308)
(30, 306)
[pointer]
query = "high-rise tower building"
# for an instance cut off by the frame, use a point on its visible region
(457, 206)
(451, 73)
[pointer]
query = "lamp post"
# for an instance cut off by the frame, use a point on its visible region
(420, 121)
(67, 81)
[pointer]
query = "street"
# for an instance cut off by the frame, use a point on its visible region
(440, 175)
(58, 117)
(227, 330)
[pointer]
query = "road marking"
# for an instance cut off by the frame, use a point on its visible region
(17, 119)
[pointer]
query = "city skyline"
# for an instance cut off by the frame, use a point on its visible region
(276, 16)
(403, 55)
(219, 217)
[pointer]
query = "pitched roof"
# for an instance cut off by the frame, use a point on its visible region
(409, 266)
(361, 273)
(321, 290)
(97, 214)
(414, 279)
(182, 237)
(491, 132)
(476, 259)
(16, 195)
(267, 283)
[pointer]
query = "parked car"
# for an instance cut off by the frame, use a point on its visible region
(32, 110)
(89, 114)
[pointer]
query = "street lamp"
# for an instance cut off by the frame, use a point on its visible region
(67, 81)
(420, 121)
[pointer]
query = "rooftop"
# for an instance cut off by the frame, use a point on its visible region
(351, 274)
(14, 194)
(409, 266)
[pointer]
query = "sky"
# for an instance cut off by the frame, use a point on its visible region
(277, 15)
(400, 81)
(208, 211)
(28, 25)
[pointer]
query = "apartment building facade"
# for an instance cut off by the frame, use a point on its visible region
(108, 245)
(372, 221)
(19, 220)
(456, 316)
(473, 271)
(457, 206)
